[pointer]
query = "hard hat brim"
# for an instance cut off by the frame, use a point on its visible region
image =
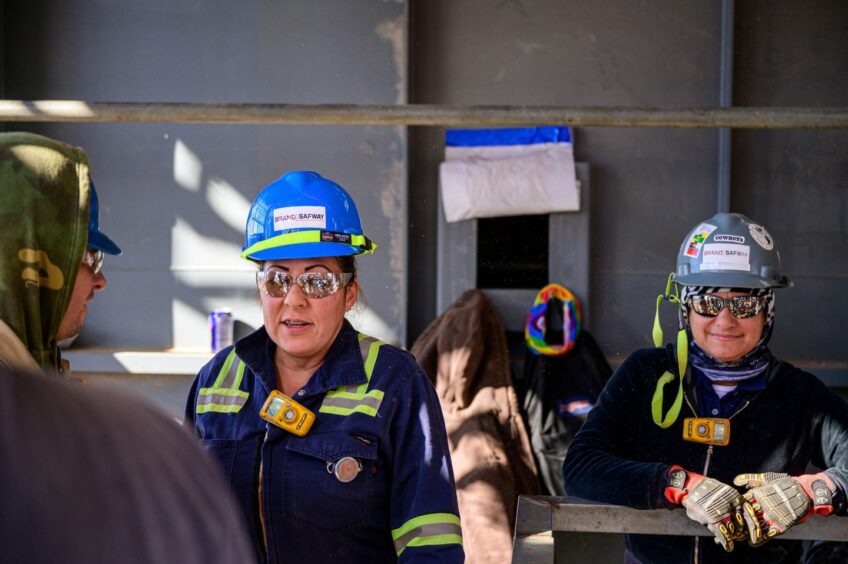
(305, 251)
(727, 280)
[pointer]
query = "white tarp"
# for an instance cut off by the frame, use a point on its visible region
(533, 175)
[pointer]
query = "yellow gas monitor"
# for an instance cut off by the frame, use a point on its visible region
(287, 414)
(707, 430)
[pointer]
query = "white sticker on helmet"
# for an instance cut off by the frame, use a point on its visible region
(761, 236)
(729, 239)
(299, 217)
(692, 247)
(721, 256)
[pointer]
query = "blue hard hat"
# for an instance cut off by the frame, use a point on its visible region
(97, 239)
(303, 215)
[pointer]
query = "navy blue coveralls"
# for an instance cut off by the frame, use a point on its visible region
(373, 403)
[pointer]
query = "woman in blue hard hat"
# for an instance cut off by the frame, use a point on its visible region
(332, 441)
(717, 424)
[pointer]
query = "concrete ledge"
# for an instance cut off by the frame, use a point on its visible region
(136, 362)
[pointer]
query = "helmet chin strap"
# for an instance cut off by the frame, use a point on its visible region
(671, 294)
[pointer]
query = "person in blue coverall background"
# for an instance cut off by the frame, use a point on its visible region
(748, 444)
(371, 479)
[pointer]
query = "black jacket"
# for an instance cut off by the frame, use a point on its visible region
(559, 391)
(620, 456)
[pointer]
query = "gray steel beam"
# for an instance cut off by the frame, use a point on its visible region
(422, 114)
(536, 513)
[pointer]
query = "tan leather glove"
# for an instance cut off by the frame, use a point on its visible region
(775, 502)
(708, 502)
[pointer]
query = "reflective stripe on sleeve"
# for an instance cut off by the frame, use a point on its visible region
(348, 400)
(428, 530)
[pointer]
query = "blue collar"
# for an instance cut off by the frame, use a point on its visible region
(343, 365)
(709, 404)
(755, 384)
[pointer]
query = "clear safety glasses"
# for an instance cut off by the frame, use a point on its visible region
(277, 283)
(741, 307)
(93, 259)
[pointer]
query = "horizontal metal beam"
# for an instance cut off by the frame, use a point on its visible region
(538, 514)
(421, 114)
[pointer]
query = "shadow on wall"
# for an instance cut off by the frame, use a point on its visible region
(178, 212)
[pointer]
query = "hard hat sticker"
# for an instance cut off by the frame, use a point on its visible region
(696, 240)
(723, 256)
(334, 237)
(300, 217)
(738, 239)
(761, 236)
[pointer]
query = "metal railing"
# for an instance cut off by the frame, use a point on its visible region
(422, 115)
(538, 517)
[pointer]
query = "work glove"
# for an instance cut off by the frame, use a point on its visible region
(774, 502)
(708, 502)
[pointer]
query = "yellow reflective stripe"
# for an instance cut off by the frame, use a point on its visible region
(428, 530)
(239, 375)
(309, 236)
(220, 400)
(234, 375)
(348, 400)
(364, 409)
(225, 369)
(369, 348)
(346, 403)
(341, 393)
(371, 360)
(218, 408)
(432, 540)
(428, 519)
(223, 392)
(361, 389)
(224, 396)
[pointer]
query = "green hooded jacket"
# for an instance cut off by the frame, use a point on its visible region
(44, 207)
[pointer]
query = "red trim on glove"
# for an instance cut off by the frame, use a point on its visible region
(820, 505)
(675, 493)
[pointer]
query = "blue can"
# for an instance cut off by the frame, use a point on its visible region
(221, 328)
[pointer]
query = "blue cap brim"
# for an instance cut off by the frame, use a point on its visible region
(96, 239)
(100, 242)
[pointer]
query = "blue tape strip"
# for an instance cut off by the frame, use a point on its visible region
(507, 136)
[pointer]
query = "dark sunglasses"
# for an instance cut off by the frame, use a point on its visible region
(741, 307)
(277, 283)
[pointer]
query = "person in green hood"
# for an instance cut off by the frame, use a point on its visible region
(51, 248)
